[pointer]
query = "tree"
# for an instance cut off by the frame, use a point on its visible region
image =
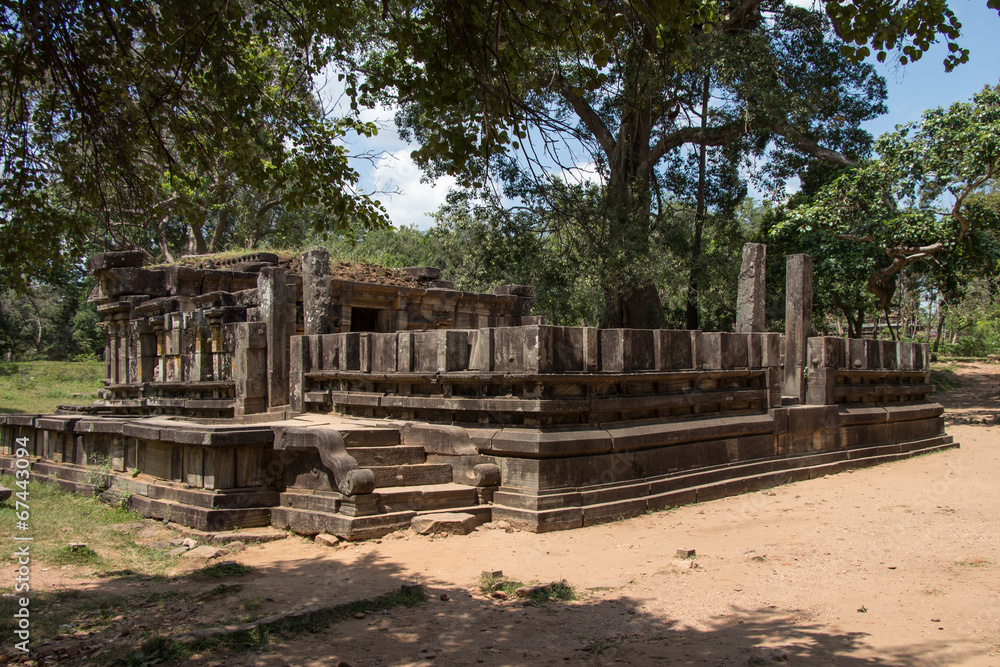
(520, 90)
(116, 115)
(918, 202)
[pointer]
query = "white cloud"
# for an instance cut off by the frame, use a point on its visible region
(580, 173)
(408, 201)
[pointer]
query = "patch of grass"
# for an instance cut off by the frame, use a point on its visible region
(488, 584)
(558, 591)
(759, 559)
(79, 554)
(223, 570)
(973, 562)
(41, 386)
(59, 517)
(944, 379)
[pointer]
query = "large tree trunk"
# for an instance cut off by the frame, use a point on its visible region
(196, 240)
(631, 298)
(942, 312)
(220, 230)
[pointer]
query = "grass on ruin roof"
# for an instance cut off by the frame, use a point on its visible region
(292, 259)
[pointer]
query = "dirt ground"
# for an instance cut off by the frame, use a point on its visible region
(893, 565)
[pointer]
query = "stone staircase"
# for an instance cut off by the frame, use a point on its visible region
(406, 486)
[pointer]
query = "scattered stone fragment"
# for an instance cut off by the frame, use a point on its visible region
(235, 547)
(205, 551)
(500, 595)
(189, 543)
(326, 539)
(455, 523)
(359, 615)
(411, 588)
(177, 551)
(155, 544)
(502, 525)
(685, 553)
(492, 574)
(444, 597)
(77, 546)
(149, 531)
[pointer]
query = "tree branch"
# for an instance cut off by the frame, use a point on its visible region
(586, 114)
(807, 145)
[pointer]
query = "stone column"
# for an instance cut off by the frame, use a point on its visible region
(274, 297)
(250, 357)
(750, 301)
(316, 297)
(798, 323)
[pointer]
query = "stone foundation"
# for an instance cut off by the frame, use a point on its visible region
(218, 413)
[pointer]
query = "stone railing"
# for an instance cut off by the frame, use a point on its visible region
(536, 374)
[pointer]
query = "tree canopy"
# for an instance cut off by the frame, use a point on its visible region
(923, 200)
(117, 114)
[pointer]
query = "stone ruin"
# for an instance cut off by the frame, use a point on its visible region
(259, 391)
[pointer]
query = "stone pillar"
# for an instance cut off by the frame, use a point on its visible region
(798, 323)
(750, 301)
(317, 305)
(275, 296)
(250, 359)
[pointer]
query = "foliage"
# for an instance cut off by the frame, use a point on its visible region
(50, 319)
(118, 116)
(915, 203)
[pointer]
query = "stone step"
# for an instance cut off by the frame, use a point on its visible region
(387, 456)
(483, 513)
(306, 522)
(427, 497)
(698, 487)
(411, 475)
(371, 436)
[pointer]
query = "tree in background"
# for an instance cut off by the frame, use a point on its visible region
(920, 202)
(617, 84)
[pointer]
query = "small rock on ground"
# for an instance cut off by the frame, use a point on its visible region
(326, 539)
(205, 551)
(455, 523)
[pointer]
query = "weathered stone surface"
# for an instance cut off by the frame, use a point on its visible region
(455, 523)
(5, 493)
(624, 350)
(317, 300)
(422, 272)
(750, 298)
(205, 551)
(798, 322)
(327, 540)
(672, 350)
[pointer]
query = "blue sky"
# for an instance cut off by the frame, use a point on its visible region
(912, 89)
